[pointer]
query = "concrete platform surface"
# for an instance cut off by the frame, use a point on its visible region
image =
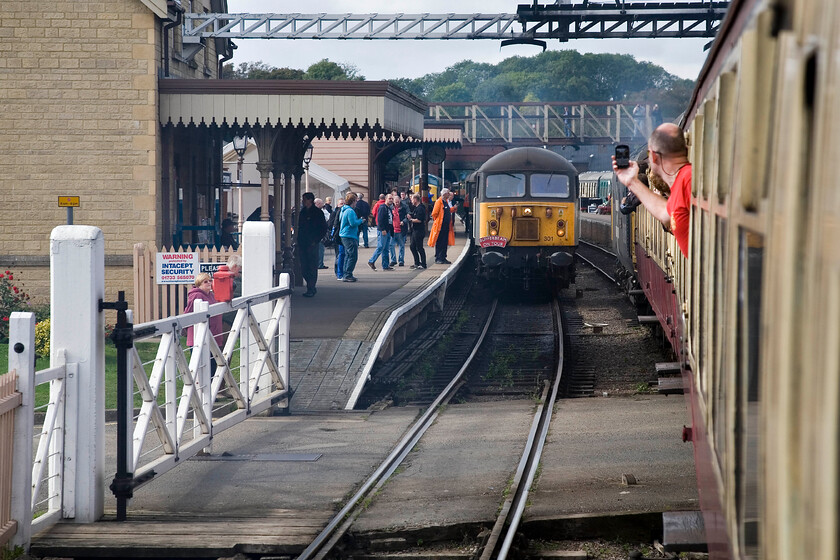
(332, 334)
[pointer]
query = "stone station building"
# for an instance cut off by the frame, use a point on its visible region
(107, 102)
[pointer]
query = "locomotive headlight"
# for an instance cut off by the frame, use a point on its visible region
(548, 212)
(494, 232)
(527, 212)
(494, 224)
(561, 228)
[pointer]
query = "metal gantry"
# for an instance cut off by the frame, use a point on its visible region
(585, 20)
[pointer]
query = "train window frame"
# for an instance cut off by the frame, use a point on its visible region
(508, 194)
(568, 185)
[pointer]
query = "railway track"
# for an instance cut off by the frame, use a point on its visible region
(479, 374)
(598, 258)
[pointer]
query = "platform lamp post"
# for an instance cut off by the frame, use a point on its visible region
(240, 144)
(307, 159)
(413, 152)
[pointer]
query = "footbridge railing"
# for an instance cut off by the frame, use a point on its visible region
(547, 123)
(178, 397)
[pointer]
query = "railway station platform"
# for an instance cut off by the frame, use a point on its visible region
(271, 486)
(334, 334)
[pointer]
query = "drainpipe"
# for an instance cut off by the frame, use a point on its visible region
(179, 10)
(225, 58)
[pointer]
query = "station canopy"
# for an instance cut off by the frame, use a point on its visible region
(336, 109)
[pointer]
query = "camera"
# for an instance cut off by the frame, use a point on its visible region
(622, 156)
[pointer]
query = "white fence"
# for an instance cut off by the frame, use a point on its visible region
(58, 473)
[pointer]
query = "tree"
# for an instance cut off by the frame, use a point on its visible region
(260, 71)
(327, 70)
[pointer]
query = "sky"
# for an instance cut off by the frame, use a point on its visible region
(384, 59)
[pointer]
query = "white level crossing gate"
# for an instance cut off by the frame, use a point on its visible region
(176, 404)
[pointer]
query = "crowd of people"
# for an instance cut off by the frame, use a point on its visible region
(399, 218)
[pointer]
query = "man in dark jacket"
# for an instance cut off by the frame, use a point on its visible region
(417, 219)
(311, 229)
(385, 226)
(363, 211)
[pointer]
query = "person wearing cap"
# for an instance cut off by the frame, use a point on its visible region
(227, 240)
(442, 234)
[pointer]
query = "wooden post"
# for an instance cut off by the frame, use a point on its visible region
(77, 275)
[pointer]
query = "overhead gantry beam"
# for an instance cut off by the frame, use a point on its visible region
(531, 22)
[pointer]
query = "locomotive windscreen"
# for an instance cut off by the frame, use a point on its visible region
(505, 185)
(550, 185)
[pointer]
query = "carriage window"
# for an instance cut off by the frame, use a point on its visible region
(550, 185)
(505, 185)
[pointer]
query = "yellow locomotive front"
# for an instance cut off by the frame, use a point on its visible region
(526, 217)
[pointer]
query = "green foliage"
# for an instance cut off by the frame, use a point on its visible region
(42, 339)
(11, 554)
(12, 299)
(321, 70)
(555, 76)
(551, 76)
(260, 71)
(500, 369)
(327, 70)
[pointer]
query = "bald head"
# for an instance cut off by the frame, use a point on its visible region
(669, 140)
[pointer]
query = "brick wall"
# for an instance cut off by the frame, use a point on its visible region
(78, 107)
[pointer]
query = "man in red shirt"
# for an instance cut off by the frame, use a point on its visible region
(668, 159)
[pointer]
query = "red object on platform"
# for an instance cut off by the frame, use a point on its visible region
(223, 284)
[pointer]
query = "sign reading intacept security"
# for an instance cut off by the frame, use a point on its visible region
(176, 268)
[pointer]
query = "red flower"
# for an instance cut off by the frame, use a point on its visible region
(7, 272)
(5, 318)
(15, 288)
(1, 276)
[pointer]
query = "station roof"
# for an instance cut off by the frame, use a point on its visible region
(333, 108)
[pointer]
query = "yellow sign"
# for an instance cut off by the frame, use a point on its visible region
(68, 201)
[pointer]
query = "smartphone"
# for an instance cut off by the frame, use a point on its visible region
(622, 156)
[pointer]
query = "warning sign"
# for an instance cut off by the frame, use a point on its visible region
(176, 268)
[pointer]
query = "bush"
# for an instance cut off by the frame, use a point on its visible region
(42, 339)
(12, 299)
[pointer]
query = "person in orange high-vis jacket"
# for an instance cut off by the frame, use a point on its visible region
(443, 227)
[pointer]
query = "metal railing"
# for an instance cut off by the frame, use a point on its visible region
(180, 408)
(544, 122)
(182, 396)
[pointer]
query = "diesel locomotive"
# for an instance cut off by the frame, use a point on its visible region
(525, 222)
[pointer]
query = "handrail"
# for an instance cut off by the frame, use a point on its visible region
(390, 324)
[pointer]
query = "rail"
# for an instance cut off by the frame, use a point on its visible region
(341, 522)
(507, 523)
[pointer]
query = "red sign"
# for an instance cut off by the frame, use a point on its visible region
(493, 241)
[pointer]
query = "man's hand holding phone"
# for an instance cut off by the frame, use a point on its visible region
(626, 174)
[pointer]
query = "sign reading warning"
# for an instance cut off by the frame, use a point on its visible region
(176, 268)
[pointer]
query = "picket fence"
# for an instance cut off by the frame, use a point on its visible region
(9, 401)
(153, 301)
